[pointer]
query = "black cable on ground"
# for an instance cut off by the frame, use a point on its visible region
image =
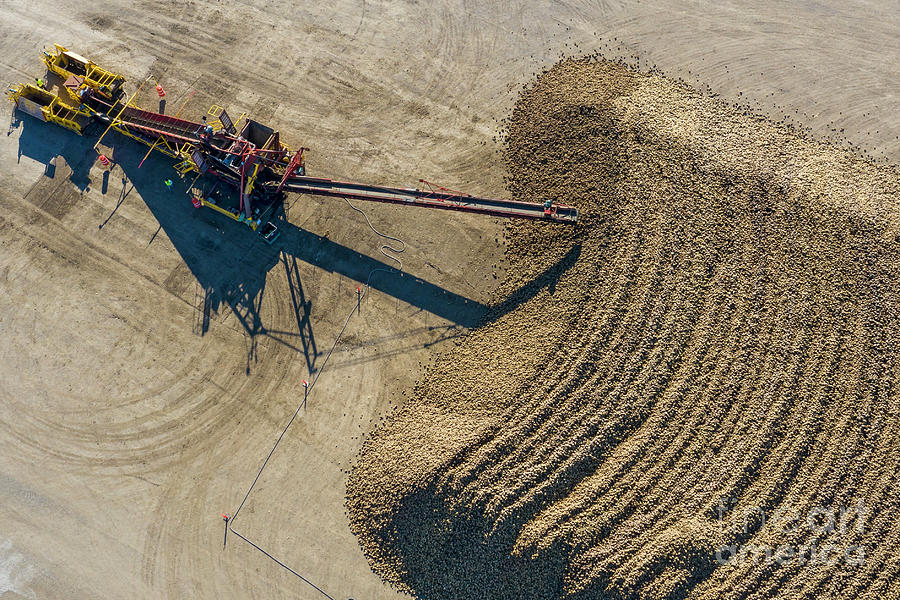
(384, 250)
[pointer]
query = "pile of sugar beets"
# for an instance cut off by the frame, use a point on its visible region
(691, 394)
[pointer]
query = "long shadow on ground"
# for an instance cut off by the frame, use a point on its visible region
(230, 262)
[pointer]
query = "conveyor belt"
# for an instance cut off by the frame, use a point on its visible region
(148, 126)
(254, 161)
(160, 124)
(559, 213)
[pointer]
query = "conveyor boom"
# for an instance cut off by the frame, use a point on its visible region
(431, 199)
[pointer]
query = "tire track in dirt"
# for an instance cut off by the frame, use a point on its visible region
(143, 432)
(722, 348)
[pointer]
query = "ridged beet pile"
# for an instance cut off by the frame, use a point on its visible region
(695, 394)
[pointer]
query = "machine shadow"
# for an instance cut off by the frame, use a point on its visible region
(43, 142)
(231, 263)
(547, 278)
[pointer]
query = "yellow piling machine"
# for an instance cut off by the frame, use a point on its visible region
(246, 156)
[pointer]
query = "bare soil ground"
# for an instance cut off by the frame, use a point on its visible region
(151, 354)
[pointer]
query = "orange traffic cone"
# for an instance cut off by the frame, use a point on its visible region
(160, 90)
(197, 202)
(104, 161)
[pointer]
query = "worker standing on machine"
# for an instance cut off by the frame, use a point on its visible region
(40, 83)
(206, 130)
(83, 94)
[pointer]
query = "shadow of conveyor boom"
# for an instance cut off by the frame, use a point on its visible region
(231, 264)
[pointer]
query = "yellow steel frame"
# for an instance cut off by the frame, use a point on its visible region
(95, 77)
(160, 145)
(13, 92)
(187, 164)
(215, 111)
(239, 217)
(251, 180)
(56, 111)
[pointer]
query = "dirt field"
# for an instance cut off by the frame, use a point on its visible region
(152, 354)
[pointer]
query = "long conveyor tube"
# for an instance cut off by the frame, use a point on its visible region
(558, 213)
(186, 131)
